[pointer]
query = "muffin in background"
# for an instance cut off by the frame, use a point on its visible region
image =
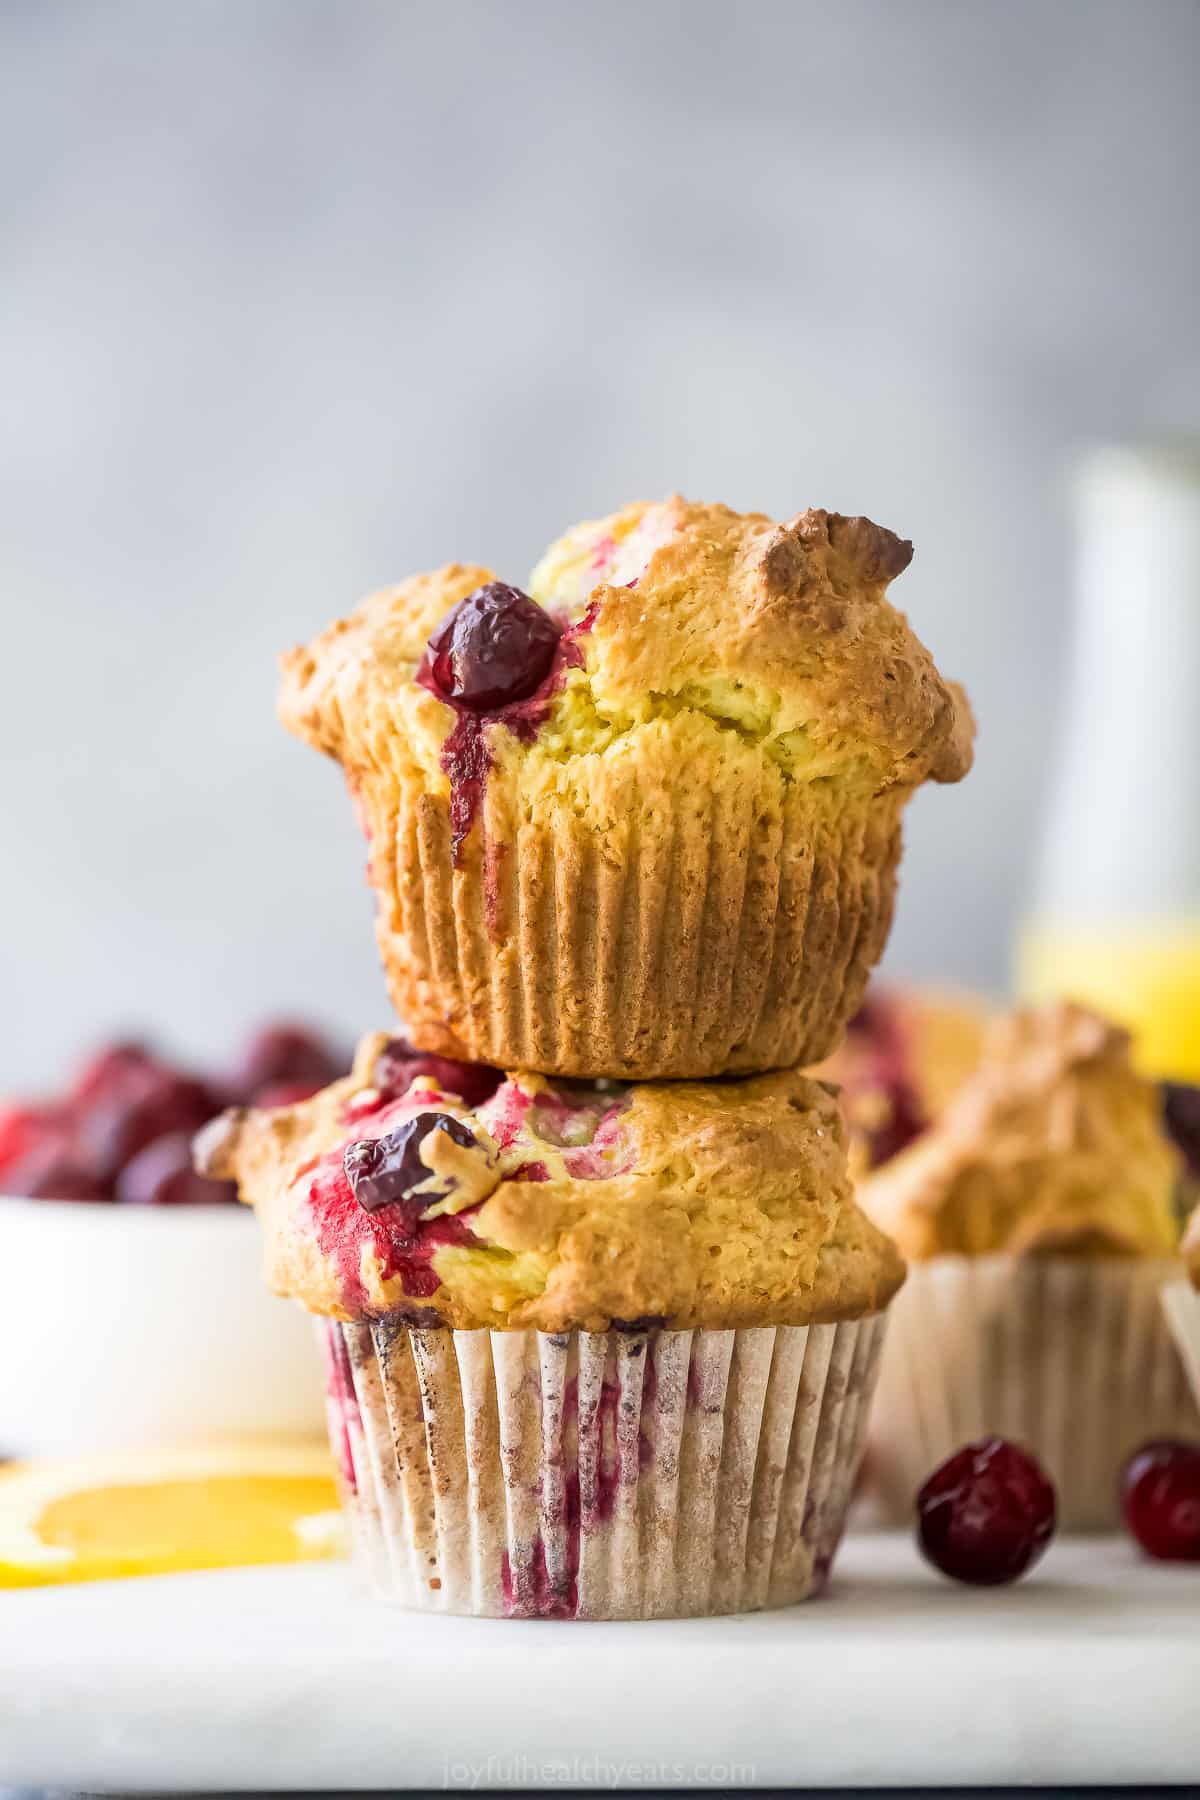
(906, 1053)
(1182, 1302)
(1038, 1216)
(594, 1351)
(644, 822)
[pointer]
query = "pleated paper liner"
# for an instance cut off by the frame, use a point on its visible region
(711, 931)
(619, 1475)
(1069, 1356)
(1181, 1302)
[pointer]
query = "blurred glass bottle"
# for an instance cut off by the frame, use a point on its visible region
(1116, 914)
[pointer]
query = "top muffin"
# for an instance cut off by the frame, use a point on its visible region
(1054, 1144)
(642, 821)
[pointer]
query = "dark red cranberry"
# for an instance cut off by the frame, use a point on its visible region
(285, 1051)
(1181, 1115)
(1160, 1498)
(146, 1101)
(494, 647)
(162, 1175)
(398, 1065)
(110, 1069)
(52, 1169)
(987, 1514)
(386, 1171)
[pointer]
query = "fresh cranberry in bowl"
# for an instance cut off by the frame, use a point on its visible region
(109, 1069)
(143, 1100)
(493, 648)
(162, 1175)
(22, 1129)
(94, 1141)
(1160, 1500)
(987, 1514)
(52, 1169)
(285, 1051)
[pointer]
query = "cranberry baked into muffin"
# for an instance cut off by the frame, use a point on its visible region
(594, 1350)
(643, 821)
(1038, 1214)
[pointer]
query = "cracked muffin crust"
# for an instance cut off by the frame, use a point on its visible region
(645, 821)
(557, 1206)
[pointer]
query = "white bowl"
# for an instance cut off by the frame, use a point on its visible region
(124, 1326)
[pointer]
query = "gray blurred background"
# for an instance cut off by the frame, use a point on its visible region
(298, 298)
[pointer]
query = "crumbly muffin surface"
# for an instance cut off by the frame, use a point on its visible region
(780, 632)
(559, 1205)
(1053, 1144)
(680, 616)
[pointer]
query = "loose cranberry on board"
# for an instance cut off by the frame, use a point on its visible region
(987, 1514)
(1160, 1498)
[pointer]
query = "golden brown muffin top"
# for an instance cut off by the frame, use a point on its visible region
(1053, 1144)
(782, 632)
(556, 1205)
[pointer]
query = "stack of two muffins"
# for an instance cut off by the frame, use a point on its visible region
(601, 1339)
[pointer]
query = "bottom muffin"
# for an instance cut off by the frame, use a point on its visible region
(599, 1475)
(593, 1351)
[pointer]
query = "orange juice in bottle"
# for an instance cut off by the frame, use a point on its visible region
(1116, 916)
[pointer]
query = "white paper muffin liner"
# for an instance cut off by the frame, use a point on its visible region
(618, 1475)
(1181, 1303)
(1069, 1356)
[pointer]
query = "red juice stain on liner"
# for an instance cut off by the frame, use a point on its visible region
(598, 1497)
(342, 1402)
(530, 1594)
(696, 1397)
(465, 756)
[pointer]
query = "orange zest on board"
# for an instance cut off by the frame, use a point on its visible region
(161, 1512)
